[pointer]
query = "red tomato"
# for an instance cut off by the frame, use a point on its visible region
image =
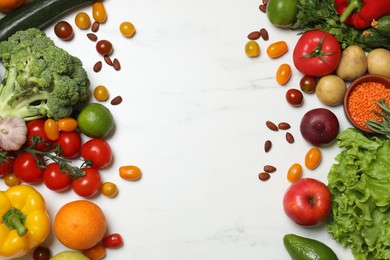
(112, 241)
(70, 143)
(6, 162)
(88, 185)
(97, 151)
(317, 53)
(36, 129)
(54, 179)
(26, 168)
(63, 30)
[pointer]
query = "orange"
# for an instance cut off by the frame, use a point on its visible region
(80, 224)
(8, 5)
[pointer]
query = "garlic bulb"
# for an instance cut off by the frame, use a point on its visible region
(13, 133)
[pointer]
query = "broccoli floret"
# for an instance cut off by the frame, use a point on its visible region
(40, 79)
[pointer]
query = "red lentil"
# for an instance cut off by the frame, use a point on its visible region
(361, 102)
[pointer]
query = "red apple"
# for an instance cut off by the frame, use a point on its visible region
(307, 202)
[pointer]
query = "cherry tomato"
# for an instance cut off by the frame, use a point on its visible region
(63, 30)
(82, 20)
(51, 129)
(7, 160)
(104, 47)
(294, 97)
(252, 49)
(283, 74)
(98, 151)
(27, 169)
(70, 143)
(10, 179)
(112, 241)
(294, 172)
(99, 12)
(67, 124)
(313, 158)
(36, 130)
(89, 185)
(130, 172)
(96, 252)
(109, 189)
(41, 253)
(101, 93)
(277, 49)
(308, 84)
(54, 179)
(317, 53)
(127, 29)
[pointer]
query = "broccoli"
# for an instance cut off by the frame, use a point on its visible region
(40, 79)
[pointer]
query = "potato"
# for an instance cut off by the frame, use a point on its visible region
(353, 63)
(379, 62)
(330, 90)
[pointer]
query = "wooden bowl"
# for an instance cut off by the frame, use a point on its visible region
(366, 78)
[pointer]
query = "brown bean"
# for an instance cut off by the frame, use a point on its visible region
(263, 176)
(264, 34)
(284, 126)
(116, 64)
(269, 168)
(267, 146)
(265, 2)
(254, 35)
(271, 125)
(93, 37)
(290, 138)
(98, 66)
(116, 100)
(262, 8)
(95, 26)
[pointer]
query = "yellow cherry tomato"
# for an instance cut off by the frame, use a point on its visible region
(252, 49)
(67, 124)
(99, 12)
(130, 172)
(101, 93)
(96, 252)
(10, 179)
(277, 49)
(82, 20)
(294, 172)
(127, 29)
(313, 158)
(51, 129)
(283, 74)
(109, 189)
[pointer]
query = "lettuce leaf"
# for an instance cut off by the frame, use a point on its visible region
(359, 181)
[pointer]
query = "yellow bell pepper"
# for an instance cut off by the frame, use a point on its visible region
(24, 222)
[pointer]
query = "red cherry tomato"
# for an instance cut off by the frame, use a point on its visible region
(317, 53)
(70, 143)
(294, 97)
(27, 169)
(112, 241)
(7, 160)
(54, 179)
(98, 152)
(88, 185)
(104, 47)
(35, 130)
(308, 84)
(63, 30)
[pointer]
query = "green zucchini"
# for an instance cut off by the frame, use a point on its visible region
(382, 25)
(38, 14)
(371, 39)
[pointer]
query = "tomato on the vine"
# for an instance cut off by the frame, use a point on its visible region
(89, 184)
(70, 143)
(27, 168)
(317, 53)
(36, 129)
(54, 179)
(97, 151)
(7, 160)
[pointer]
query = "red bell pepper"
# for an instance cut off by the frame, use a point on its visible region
(360, 13)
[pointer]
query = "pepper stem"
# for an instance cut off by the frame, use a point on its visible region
(352, 7)
(14, 219)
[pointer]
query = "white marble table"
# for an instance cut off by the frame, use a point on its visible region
(193, 119)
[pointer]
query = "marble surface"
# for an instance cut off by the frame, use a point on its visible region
(193, 119)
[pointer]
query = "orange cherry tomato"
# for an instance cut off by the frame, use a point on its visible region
(283, 74)
(51, 129)
(96, 252)
(82, 20)
(277, 49)
(99, 12)
(252, 49)
(67, 124)
(130, 172)
(313, 158)
(101, 93)
(109, 189)
(294, 172)
(10, 179)
(127, 29)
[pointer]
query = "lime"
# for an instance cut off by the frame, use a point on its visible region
(95, 120)
(282, 13)
(303, 248)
